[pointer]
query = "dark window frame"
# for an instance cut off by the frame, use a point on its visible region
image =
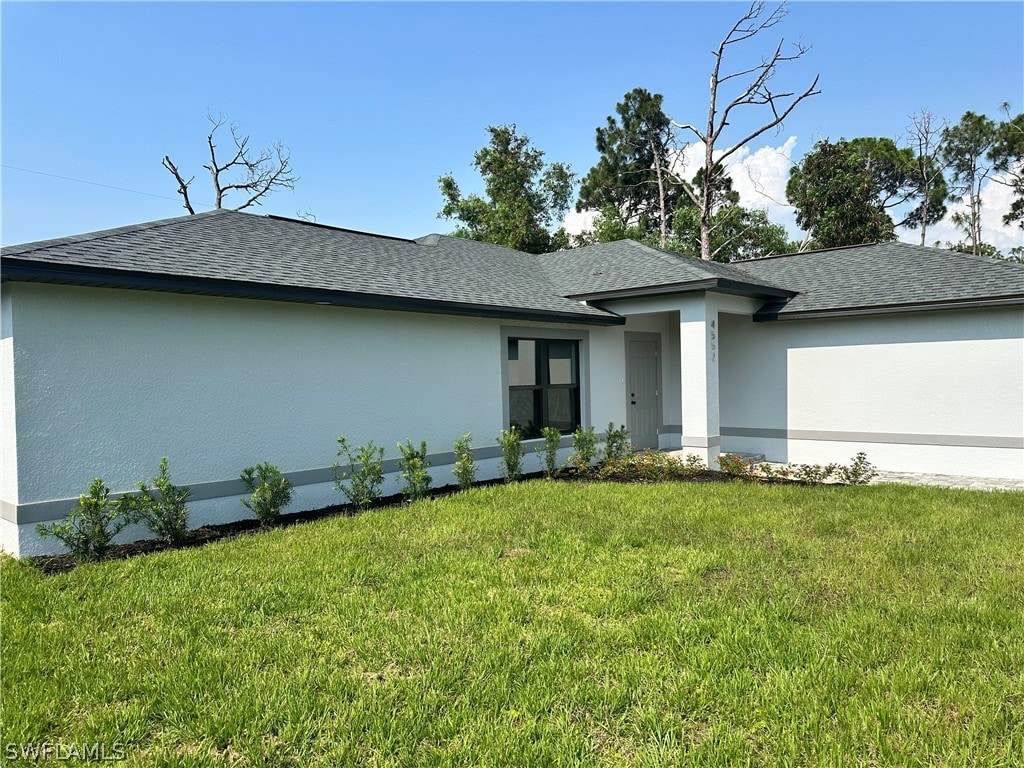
(543, 385)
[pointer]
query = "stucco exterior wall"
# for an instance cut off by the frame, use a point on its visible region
(110, 381)
(935, 392)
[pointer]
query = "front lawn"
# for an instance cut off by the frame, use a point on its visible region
(547, 624)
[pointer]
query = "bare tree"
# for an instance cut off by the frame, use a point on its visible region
(260, 172)
(924, 137)
(755, 93)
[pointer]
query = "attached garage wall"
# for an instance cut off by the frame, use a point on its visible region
(939, 392)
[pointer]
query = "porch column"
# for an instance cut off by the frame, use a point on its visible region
(698, 363)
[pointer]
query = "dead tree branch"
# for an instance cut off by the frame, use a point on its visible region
(258, 173)
(755, 93)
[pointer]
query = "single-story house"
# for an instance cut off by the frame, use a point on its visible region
(226, 339)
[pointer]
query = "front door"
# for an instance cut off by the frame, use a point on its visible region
(642, 384)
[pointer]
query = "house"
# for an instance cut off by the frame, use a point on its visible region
(226, 339)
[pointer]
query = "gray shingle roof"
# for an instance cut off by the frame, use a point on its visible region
(885, 275)
(230, 253)
(627, 265)
(226, 246)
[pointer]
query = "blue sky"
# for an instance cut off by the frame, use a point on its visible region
(377, 100)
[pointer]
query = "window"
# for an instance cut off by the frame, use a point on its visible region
(543, 385)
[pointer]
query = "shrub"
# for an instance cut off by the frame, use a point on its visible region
(734, 466)
(770, 472)
(616, 443)
(548, 450)
(693, 465)
(88, 530)
(269, 490)
(813, 474)
(860, 472)
(365, 472)
(465, 469)
(583, 443)
(511, 443)
(649, 466)
(161, 508)
(413, 467)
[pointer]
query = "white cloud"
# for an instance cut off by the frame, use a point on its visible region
(575, 223)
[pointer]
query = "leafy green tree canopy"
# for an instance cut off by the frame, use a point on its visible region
(737, 234)
(844, 191)
(524, 195)
(1007, 153)
(631, 183)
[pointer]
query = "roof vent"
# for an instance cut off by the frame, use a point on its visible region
(429, 240)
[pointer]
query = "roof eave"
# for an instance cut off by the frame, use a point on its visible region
(95, 277)
(719, 284)
(776, 312)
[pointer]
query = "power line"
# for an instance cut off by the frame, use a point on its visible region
(97, 184)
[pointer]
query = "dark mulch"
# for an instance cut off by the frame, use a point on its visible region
(199, 537)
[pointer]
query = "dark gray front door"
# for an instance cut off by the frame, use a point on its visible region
(643, 407)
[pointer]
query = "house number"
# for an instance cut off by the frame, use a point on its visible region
(714, 346)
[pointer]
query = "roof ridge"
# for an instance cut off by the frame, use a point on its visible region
(86, 237)
(492, 245)
(289, 219)
(818, 250)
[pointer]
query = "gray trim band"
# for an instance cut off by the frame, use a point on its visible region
(669, 428)
(896, 438)
(712, 441)
(45, 511)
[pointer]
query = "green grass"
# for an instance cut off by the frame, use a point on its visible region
(548, 624)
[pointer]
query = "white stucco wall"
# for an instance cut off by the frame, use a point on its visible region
(925, 392)
(110, 381)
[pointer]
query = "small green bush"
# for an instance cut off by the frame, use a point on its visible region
(465, 469)
(734, 466)
(512, 450)
(161, 508)
(860, 472)
(269, 492)
(646, 467)
(693, 465)
(616, 442)
(90, 527)
(365, 473)
(584, 444)
(548, 450)
(413, 468)
(813, 474)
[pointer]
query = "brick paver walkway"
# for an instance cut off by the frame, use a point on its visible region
(950, 481)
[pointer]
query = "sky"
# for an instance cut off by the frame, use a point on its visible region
(377, 100)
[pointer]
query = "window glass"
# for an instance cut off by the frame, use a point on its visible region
(525, 411)
(561, 362)
(561, 410)
(543, 380)
(522, 362)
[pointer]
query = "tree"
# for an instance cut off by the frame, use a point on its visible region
(525, 196)
(966, 147)
(632, 184)
(1007, 156)
(846, 192)
(261, 172)
(924, 138)
(756, 92)
(737, 234)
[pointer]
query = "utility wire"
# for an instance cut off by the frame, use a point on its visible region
(97, 184)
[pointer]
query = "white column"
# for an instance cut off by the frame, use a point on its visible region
(698, 363)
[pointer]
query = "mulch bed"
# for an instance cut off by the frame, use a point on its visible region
(198, 537)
